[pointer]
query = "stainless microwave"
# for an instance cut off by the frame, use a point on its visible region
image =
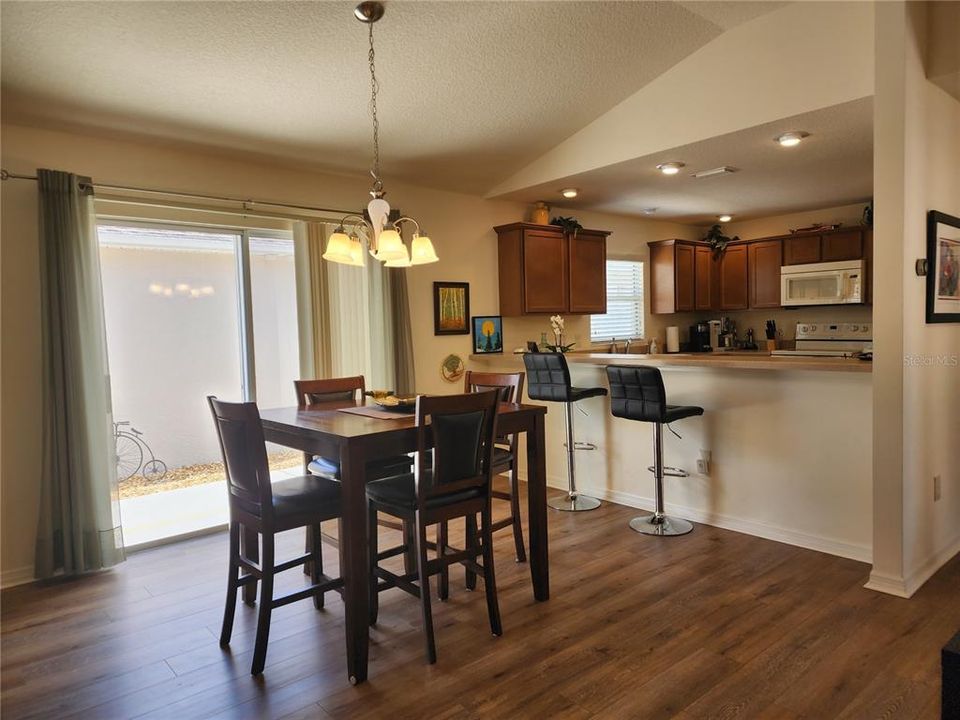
(833, 283)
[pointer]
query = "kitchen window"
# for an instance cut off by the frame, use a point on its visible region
(624, 316)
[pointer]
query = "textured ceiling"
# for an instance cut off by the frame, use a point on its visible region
(470, 91)
(834, 166)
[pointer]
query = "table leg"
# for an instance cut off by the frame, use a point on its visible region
(353, 561)
(537, 508)
(250, 549)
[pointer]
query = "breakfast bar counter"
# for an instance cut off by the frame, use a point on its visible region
(736, 360)
(788, 439)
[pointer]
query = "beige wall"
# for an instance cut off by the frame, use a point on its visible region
(917, 372)
(460, 225)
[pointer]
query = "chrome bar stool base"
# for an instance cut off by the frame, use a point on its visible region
(573, 503)
(649, 525)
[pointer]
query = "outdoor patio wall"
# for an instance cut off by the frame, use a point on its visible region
(460, 225)
(167, 353)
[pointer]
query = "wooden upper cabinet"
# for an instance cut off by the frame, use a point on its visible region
(703, 279)
(685, 269)
(801, 250)
(830, 246)
(541, 270)
(843, 245)
(734, 282)
(764, 261)
(588, 272)
(545, 275)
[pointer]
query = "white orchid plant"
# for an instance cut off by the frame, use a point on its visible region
(556, 323)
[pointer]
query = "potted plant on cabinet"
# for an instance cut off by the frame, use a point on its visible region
(717, 240)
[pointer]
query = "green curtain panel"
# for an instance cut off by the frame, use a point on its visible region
(398, 310)
(79, 528)
(358, 318)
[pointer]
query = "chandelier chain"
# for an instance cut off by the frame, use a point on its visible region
(374, 89)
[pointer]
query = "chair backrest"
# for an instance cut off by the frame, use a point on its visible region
(244, 455)
(636, 393)
(508, 385)
(311, 392)
(462, 428)
(548, 377)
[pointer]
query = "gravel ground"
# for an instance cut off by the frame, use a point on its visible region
(190, 475)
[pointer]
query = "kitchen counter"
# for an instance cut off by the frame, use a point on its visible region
(789, 440)
(736, 360)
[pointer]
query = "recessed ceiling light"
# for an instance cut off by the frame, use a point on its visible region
(725, 218)
(792, 138)
(670, 168)
(649, 211)
(569, 192)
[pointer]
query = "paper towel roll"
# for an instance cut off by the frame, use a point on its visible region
(673, 339)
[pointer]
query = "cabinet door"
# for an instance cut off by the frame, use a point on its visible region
(588, 273)
(764, 262)
(684, 267)
(703, 278)
(733, 279)
(801, 250)
(545, 272)
(846, 245)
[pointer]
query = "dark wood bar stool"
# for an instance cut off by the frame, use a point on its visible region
(458, 431)
(267, 509)
(510, 387)
(548, 378)
(637, 393)
(349, 389)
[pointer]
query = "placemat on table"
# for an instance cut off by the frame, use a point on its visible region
(376, 412)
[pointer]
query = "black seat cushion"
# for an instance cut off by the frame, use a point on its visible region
(401, 491)
(548, 378)
(306, 495)
(502, 456)
(637, 393)
(584, 393)
(387, 467)
(678, 412)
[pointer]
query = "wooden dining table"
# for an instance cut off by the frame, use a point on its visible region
(325, 429)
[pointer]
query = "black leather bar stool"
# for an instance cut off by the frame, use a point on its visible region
(548, 378)
(636, 393)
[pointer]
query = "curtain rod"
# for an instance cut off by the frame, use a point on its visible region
(4, 175)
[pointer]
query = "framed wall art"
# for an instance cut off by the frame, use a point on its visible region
(451, 308)
(943, 268)
(487, 334)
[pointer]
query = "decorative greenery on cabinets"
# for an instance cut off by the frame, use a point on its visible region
(717, 240)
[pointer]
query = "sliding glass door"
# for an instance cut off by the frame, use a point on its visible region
(191, 312)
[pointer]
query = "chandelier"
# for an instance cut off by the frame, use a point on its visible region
(382, 234)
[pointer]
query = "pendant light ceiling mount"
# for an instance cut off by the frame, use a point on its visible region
(384, 240)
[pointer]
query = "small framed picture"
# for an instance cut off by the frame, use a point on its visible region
(487, 334)
(943, 268)
(451, 308)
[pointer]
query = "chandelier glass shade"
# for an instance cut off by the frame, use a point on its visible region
(383, 238)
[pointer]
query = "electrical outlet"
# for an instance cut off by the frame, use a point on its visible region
(937, 488)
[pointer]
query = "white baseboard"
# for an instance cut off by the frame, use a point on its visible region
(831, 546)
(926, 571)
(889, 584)
(16, 576)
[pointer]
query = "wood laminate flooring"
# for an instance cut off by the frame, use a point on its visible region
(710, 625)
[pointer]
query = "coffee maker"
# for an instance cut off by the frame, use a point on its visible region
(700, 338)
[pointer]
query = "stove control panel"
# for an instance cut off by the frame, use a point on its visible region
(834, 331)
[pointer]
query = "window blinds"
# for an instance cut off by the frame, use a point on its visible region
(624, 317)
